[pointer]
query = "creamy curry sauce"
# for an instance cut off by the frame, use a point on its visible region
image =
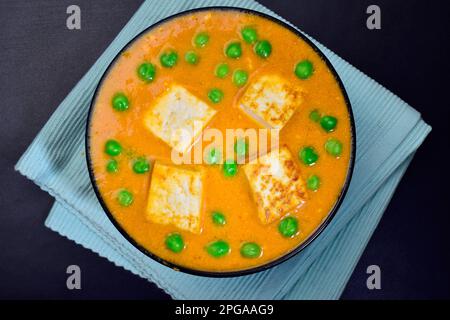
(230, 196)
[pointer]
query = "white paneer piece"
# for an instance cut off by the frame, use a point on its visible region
(175, 197)
(178, 117)
(276, 184)
(271, 100)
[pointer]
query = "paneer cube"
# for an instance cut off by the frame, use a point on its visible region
(276, 184)
(178, 117)
(175, 197)
(271, 100)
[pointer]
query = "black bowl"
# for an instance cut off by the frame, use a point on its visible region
(270, 264)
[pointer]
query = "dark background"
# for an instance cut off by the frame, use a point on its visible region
(41, 60)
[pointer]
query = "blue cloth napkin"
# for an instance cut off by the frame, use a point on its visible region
(388, 133)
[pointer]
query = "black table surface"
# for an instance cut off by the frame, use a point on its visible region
(41, 60)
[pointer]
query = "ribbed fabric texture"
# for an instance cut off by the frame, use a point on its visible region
(388, 133)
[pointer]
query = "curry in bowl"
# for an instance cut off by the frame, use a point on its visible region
(244, 206)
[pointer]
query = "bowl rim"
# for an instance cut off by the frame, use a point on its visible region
(280, 259)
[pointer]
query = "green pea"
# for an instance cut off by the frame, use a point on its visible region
(334, 147)
(233, 50)
(213, 156)
(314, 115)
(218, 218)
(174, 242)
(120, 102)
(251, 250)
(240, 77)
(112, 166)
(241, 147)
(222, 70)
(218, 248)
(141, 166)
(191, 57)
(230, 168)
(201, 39)
(313, 183)
(263, 49)
(328, 123)
(169, 59)
(288, 227)
(304, 69)
(215, 95)
(147, 71)
(249, 34)
(308, 156)
(113, 148)
(125, 198)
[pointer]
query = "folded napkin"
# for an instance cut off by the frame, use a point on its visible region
(388, 133)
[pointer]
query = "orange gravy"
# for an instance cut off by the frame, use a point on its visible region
(230, 196)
